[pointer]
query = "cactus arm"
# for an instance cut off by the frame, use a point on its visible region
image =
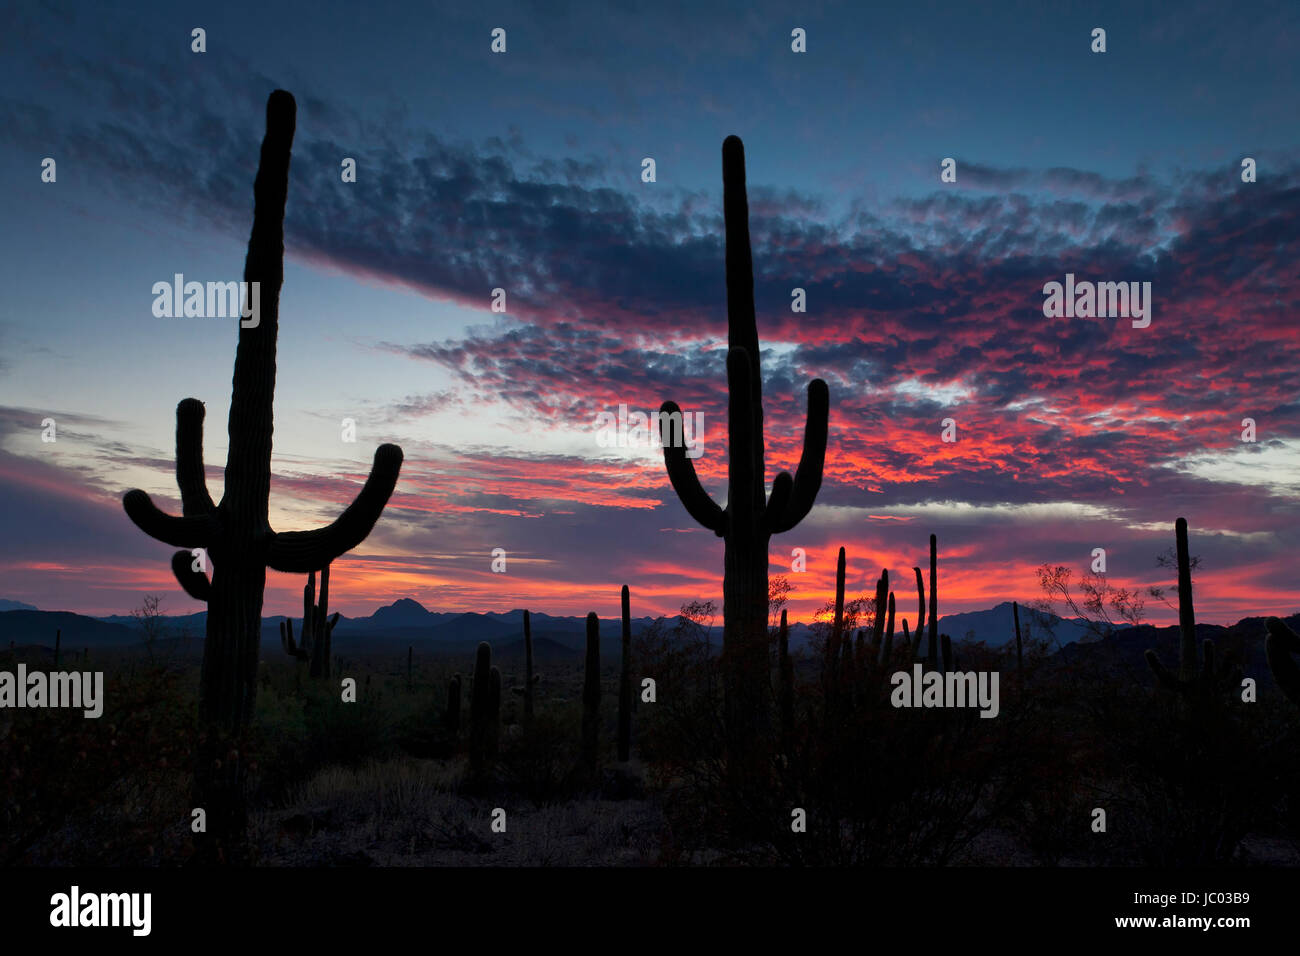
(779, 500)
(323, 605)
(681, 472)
(878, 614)
(808, 477)
(887, 654)
(920, 613)
(195, 583)
(1280, 644)
(190, 477)
(186, 532)
(300, 551)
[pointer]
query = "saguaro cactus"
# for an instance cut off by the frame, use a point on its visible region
(236, 534)
(1190, 675)
(317, 627)
(482, 715)
(750, 517)
(530, 678)
(625, 683)
(833, 649)
(933, 656)
(1020, 650)
(591, 695)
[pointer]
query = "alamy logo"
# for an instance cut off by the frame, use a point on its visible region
(923, 688)
(216, 300)
(1104, 300)
(639, 430)
(79, 690)
(75, 908)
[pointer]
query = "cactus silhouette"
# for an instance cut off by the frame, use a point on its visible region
(591, 696)
(915, 641)
(484, 708)
(235, 536)
(530, 679)
(878, 615)
(1020, 651)
(317, 627)
(1192, 675)
(837, 622)
(750, 517)
(1280, 644)
(625, 683)
(887, 653)
(236, 533)
(932, 658)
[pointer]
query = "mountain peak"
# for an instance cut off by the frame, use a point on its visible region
(404, 612)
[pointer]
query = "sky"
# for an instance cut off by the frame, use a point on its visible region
(522, 171)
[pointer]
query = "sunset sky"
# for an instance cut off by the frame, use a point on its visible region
(522, 171)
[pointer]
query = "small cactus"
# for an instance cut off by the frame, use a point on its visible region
(591, 696)
(625, 684)
(317, 627)
(530, 679)
(1020, 650)
(933, 656)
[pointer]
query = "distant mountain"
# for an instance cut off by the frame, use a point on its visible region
(38, 627)
(996, 626)
(401, 613)
(7, 605)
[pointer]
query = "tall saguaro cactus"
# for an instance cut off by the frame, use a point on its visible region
(1189, 675)
(236, 533)
(750, 517)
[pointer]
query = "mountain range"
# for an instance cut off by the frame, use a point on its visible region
(407, 622)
